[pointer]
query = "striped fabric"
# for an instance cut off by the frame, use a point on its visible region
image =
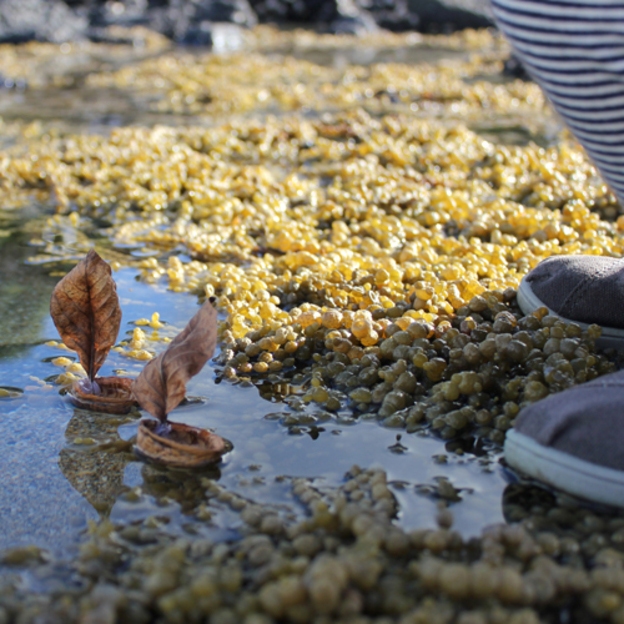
(574, 49)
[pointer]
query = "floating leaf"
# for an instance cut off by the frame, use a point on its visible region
(85, 309)
(162, 383)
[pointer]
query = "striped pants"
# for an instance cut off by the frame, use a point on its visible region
(574, 49)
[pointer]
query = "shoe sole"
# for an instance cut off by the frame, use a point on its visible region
(563, 471)
(610, 337)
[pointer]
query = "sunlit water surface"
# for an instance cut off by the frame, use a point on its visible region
(53, 483)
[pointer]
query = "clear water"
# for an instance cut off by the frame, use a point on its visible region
(52, 487)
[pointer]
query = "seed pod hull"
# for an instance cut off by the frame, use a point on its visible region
(115, 396)
(179, 445)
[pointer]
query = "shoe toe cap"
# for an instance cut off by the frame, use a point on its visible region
(586, 421)
(586, 289)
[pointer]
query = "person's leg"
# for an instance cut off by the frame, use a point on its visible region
(575, 50)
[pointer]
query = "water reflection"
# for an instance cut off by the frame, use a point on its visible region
(186, 487)
(96, 457)
(24, 294)
(341, 58)
(63, 465)
(552, 510)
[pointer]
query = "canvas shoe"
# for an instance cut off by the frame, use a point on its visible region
(573, 440)
(579, 289)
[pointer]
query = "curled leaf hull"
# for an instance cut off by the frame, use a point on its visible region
(177, 444)
(115, 396)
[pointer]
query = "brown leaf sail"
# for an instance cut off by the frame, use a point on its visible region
(85, 309)
(162, 383)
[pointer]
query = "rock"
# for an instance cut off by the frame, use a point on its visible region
(346, 17)
(357, 16)
(189, 22)
(128, 13)
(40, 20)
(201, 22)
(334, 16)
(449, 15)
(195, 23)
(392, 15)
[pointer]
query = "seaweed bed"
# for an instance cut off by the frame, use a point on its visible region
(363, 226)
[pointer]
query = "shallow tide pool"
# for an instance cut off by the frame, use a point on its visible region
(53, 486)
(362, 211)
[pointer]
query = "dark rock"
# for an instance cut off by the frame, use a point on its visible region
(234, 11)
(353, 24)
(128, 13)
(364, 15)
(193, 22)
(449, 15)
(392, 15)
(189, 22)
(40, 20)
(347, 18)
(334, 16)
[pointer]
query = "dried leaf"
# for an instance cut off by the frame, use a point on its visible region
(85, 309)
(162, 383)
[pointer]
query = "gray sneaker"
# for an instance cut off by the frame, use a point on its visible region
(580, 289)
(573, 440)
